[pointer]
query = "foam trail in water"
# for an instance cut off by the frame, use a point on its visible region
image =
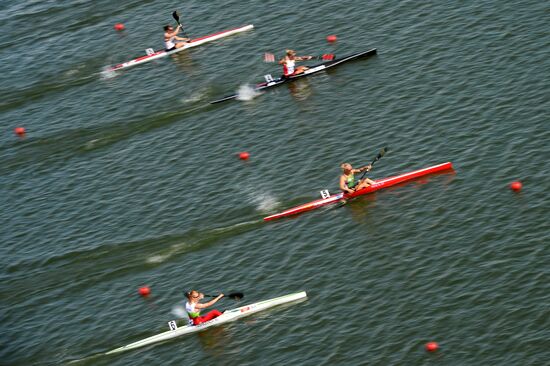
(246, 92)
(195, 97)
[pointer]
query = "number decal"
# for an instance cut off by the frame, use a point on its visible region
(172, 325)
(325, 193)
(268, 78)
(149, 51)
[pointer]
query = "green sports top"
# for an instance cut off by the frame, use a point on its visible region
(350, 181)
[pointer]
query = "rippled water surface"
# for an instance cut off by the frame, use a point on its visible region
(133, 180)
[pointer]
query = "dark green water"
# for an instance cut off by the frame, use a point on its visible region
(134, 180)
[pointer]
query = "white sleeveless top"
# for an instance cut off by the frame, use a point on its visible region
(289, 66)
(169, 44)
(191, 311)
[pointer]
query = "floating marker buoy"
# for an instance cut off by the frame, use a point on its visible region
(516, 186)
(332, 38)
(19, 131)
(432, 346)
(244, 155)
(119, 27)
(144, 291)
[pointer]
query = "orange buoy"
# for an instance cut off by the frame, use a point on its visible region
(144, 291)
(244, 155)
(19, 131)
(432, 346)
(332, 38)
(119, 27)
(516, 186)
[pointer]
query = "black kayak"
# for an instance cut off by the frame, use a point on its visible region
(271, 82)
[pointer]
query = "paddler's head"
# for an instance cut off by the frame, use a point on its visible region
(346, 168)
(193, 295)
(290, 53)
(168, 28)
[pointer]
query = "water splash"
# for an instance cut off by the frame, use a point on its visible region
(179, 311)
(265, 202)
(246, 92)
(107, 73)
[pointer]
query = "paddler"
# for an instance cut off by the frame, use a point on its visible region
(347, 179)
(193, 307)
(289, 63)
(170, 36)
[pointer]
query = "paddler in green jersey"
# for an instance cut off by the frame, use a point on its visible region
(348, 183)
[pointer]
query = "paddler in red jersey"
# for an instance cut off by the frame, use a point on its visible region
(170, 36)
(289, 63)
(193, 307)
(347, 179)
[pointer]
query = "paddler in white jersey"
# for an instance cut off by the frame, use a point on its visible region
(193, 307)
(347, 179)
(289, 63)
(170, 36)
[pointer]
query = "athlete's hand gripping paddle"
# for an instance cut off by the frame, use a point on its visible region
(380, 154)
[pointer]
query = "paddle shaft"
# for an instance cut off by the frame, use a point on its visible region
(234, 295)
(380, 154)
(326, 57)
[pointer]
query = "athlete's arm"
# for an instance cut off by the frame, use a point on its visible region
(362, 169)
(209, 303)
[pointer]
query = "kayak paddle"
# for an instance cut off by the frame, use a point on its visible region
(269, 57)
(233, 295)
(176, 17)
(380, 154)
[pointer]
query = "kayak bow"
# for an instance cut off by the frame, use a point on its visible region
(270, 82)
(379, 184)
(227, 316)
(153, 55)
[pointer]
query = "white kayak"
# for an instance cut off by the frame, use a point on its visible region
(227, 316)
(153, 55)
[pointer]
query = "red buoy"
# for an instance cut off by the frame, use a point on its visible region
(244, 155)
(119, 27)
(432, 346)
(516, 186)
(19, 131)
(144, 291)
(332, 38)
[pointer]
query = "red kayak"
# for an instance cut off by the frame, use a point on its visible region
(379, 184)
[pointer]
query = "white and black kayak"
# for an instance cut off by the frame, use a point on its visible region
(153, 55)
(271, 82)
(227, 316)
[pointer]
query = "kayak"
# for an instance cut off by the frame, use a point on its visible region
(270, 82)
(227, 316)
(153, 55)
(379, 184)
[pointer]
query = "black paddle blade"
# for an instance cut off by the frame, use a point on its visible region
(380, 154)
(235, 295)
(176, 16)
